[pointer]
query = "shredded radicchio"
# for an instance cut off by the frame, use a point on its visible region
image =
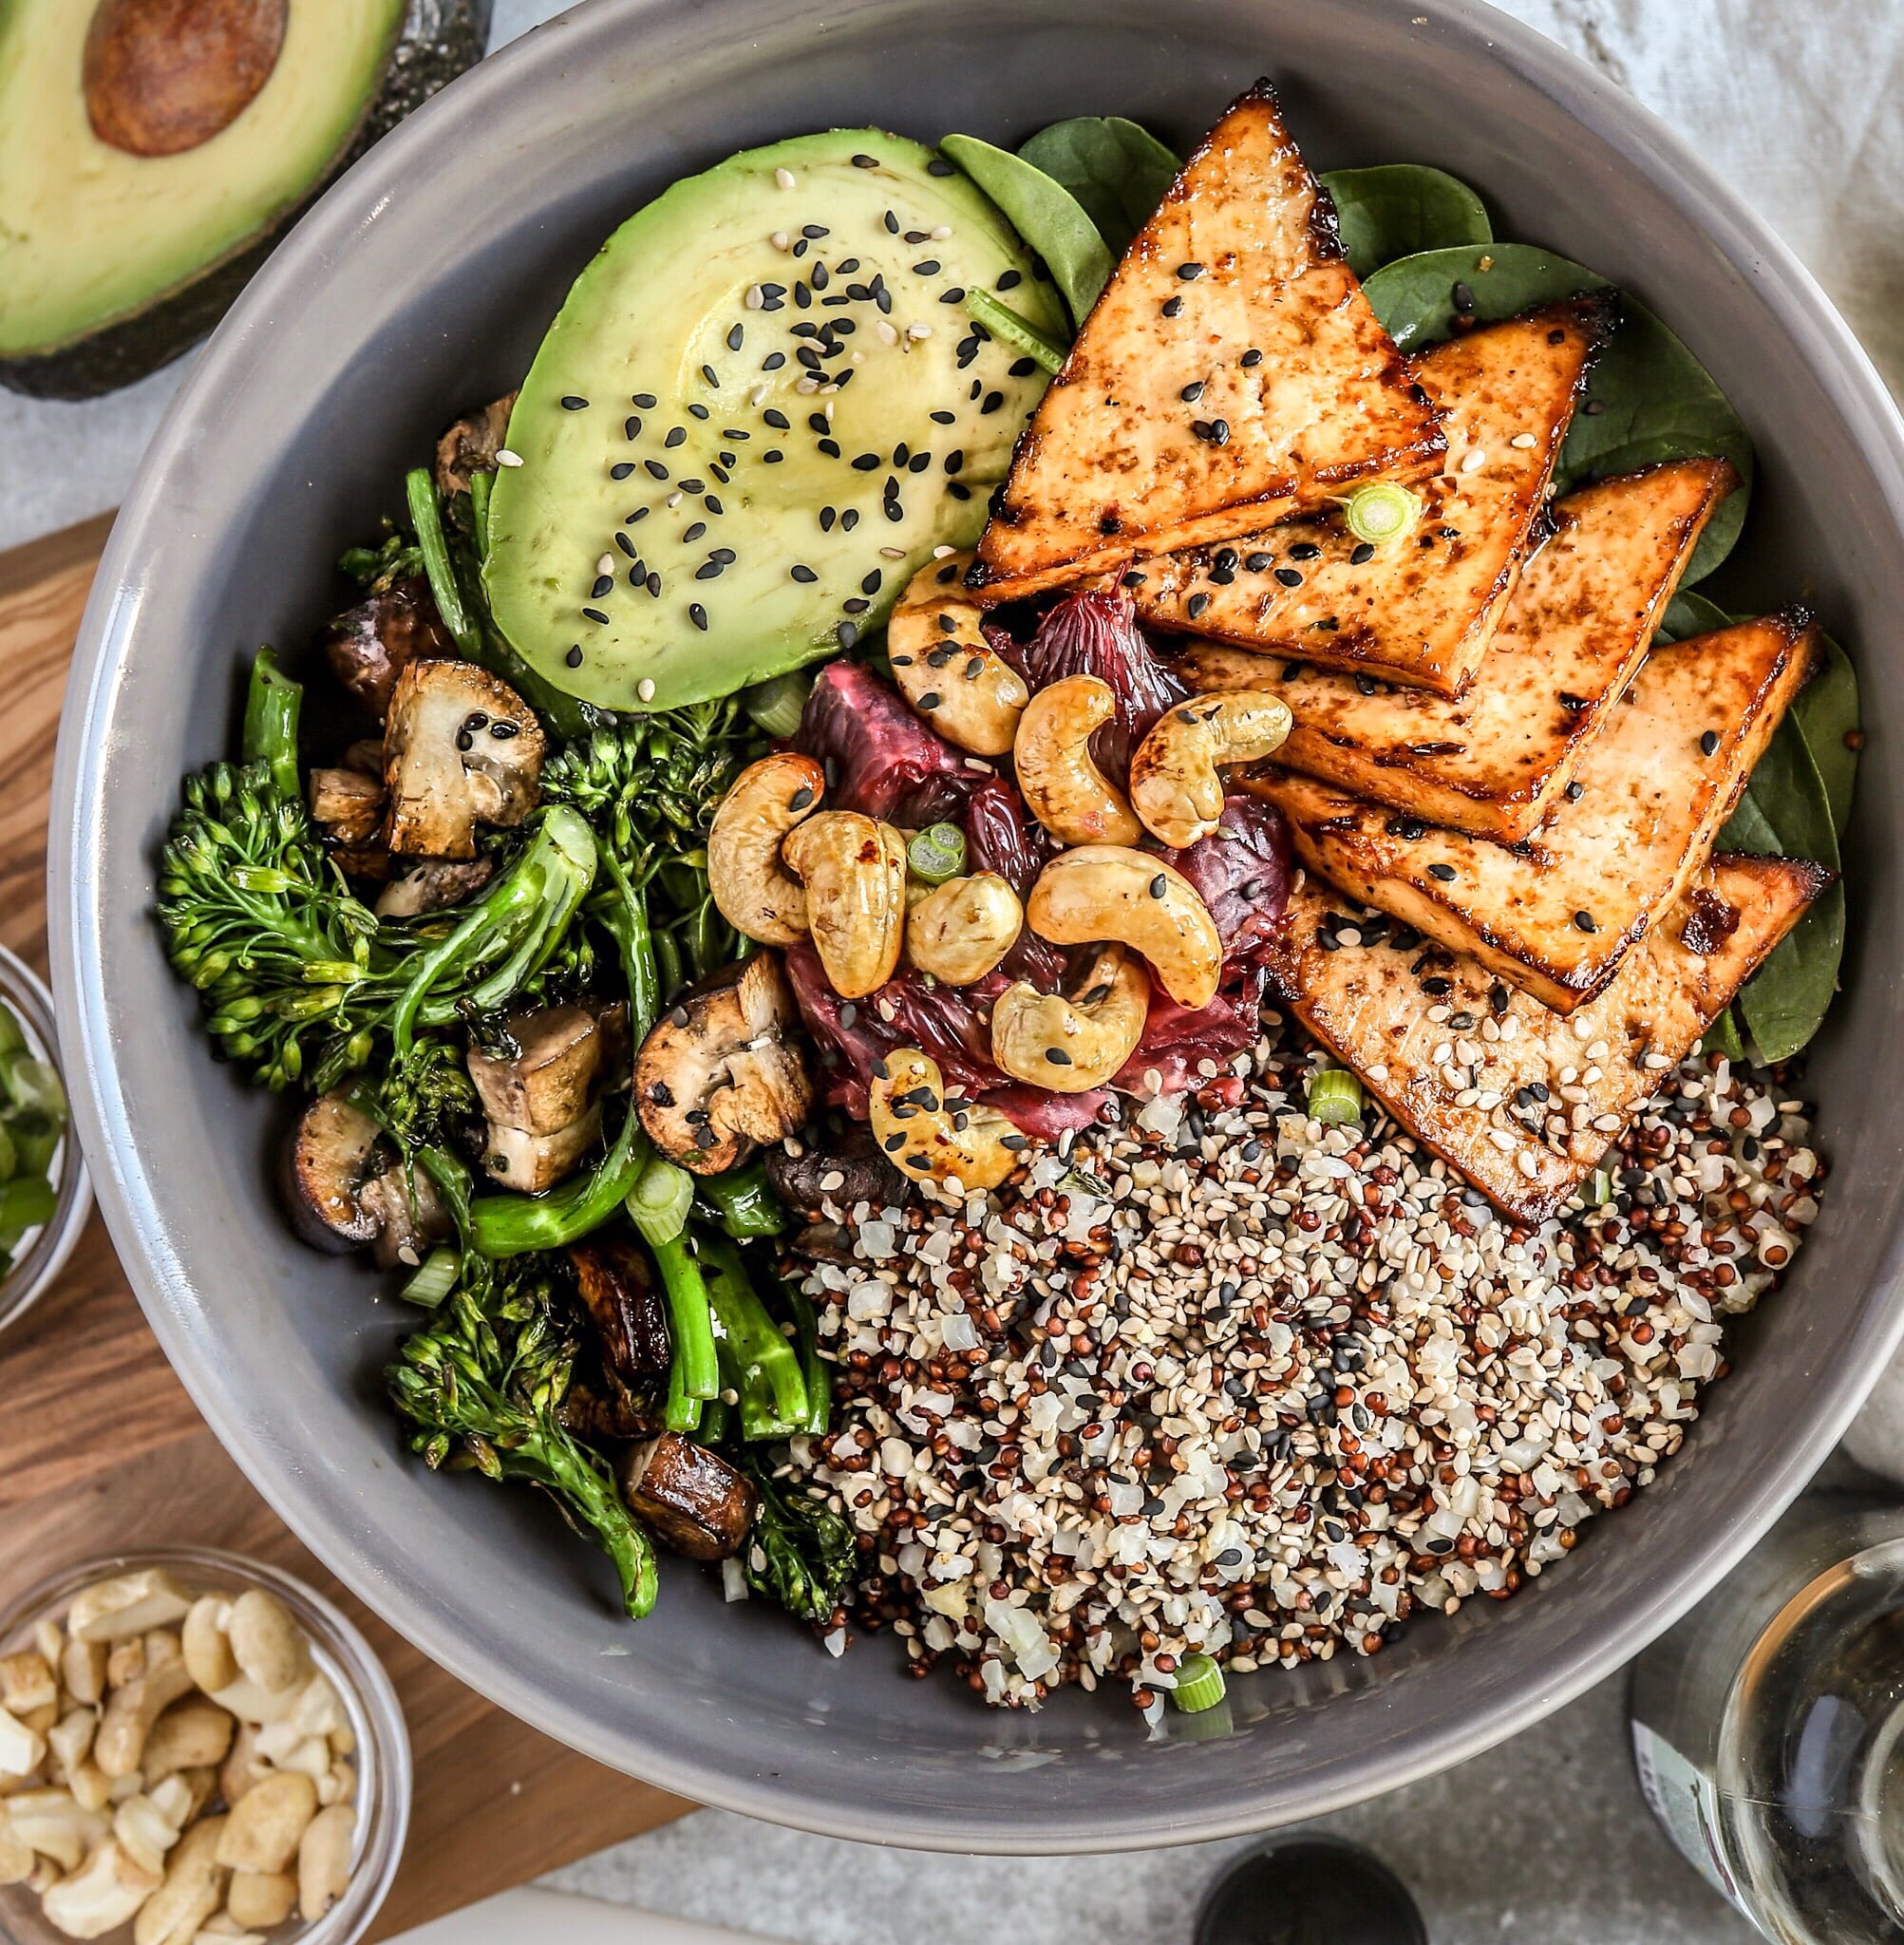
(1177, 1040)
(949, 1024)
(1242, 874)
(1097, 634)
(879, 757)
(1002, 836)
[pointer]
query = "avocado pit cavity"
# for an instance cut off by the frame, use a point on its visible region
(164, 76)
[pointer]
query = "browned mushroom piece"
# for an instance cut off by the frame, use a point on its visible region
(842, 1169)
(347, 806)
(601, 1410)
(696, 1502)
(631, 1320)
(346, 1188)
(371, 645)
(460, 749)
(434, 886)
(560, 1057)
(720, 1076)
(528, 1162)
(164, 76)
(471, 445)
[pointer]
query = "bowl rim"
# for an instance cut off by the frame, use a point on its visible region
(1577, 94)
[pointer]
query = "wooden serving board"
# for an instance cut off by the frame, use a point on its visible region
(92, 1405)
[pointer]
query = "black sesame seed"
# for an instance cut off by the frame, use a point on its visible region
(1158, 885)
(646, 400)
(677, 434)
(625, 543)
(892, 223)
(572, 404)
(866, 463)
(1009, 280)
(712, 504)
(939, 166)
(855, 606)
(1250, 359)
(1289, 577)
(928, 267)
(992, 401)
(698, 616)
(1444, 872)
(631, 427)
(604, 584)
(654, 585)
(710, 571)
(846, 634)
(831, 448)
(657, 470)
(1362, 551)
(931, 700)
(736, 337)
(621, 471)
(803, 574)
(1462, 298)
(641, 513)
(864, 161)
(871, 584)
(692, 485)
(1585, 921)
(697, 411)
(1057, 1056)
(712, 377)
(1575, 792)
(820, 276)
(1188, 271)
(573, 658)
(772, 458)
(1172, 307)
(918, 462)
(1197, 604)
(827, 516)
(773, 361)
(952, 297)
(779, 420)
(1708, 743)
(1304, 550)
(1256, 563)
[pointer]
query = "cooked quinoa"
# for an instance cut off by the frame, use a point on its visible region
(1227, 1379)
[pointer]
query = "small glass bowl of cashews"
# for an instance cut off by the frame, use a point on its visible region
(195, 1750)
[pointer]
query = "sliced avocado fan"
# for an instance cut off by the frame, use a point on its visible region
(142, 183)
(763, 407)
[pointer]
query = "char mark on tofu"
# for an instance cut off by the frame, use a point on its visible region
(694, 1501)
(371, 645)
(346, 1188)
(720, 1076)
(460, 749)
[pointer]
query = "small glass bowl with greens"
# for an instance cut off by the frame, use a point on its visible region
(45, 1198)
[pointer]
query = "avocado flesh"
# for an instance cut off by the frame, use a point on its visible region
(821, 548)
(93, 238)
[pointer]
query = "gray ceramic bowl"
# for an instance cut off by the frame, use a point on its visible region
(421, 284)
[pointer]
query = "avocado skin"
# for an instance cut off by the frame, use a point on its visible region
(436, 41)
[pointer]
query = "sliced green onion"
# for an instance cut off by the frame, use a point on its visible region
(36, 1141)
(25, 1203)
(272, 704)
(1381, 512)
(745, 1202)
(659, 1202)
(1006, 326)
(426, 518)
(778, 704)
(1334, 1096)
(34, 1085)
(937, 855)
(1199, 1684)
(434, 1280)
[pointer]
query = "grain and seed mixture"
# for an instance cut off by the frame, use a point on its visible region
(1225, 1379)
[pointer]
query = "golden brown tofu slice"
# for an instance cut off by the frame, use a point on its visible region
(1556, 913)
(1495, 759)
(1522, 1102)
(1232, 373)
(1422, 610)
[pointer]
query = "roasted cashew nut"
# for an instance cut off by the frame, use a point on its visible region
(1106, 892)
(1173, 783)
(930, 1137)
(960, 929)
(945, 666)
(1067, 793)
(1071, 1046)
(853, 869)
(753, 891)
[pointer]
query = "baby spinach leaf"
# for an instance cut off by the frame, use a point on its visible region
(1399, 209)
(1045, 212)
(1688, 614)
(1117, 171)
(1826, 712)
(1646, 398)
(1785, 812)
(1722, 1036)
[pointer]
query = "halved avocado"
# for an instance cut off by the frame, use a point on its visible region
(760, 409)
(152, 151)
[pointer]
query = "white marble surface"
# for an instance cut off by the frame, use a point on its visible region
(1545, 1839)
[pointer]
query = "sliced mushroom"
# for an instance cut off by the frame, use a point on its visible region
(849, 1168)
(562, 1054)
(347, 805)
(471, 445)
(719, 1077)
(371, 645)
(460, 749)
(433, 887)
(346, 1186)
(691, 1497)
(631, 1320)
(600, 1409)
(530, 1162)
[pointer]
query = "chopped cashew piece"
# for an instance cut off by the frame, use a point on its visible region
(932, 1137)
(1175, 786)
(1071, 1046)
(853, 868)
(16, 1854)
(1060, 780)
(27, 1682)
(753, 890)
(263, 1832)
(193, 1890)
(268, 1645)
(113, 1610)
(55, 1825)
(959, 931)
(261, 1898)
(460, 749)
(1106, 892)
(83, 1670)
(945, 666)
(21, 1749)
(70, 1740)
(324, 1861)
(192, 1734)
(144, 1832)
(130, 1714)
(207, 1648)
(106, 1894)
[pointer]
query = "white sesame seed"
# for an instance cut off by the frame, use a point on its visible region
(506, 458)
(940, 232)
(943, 551)
(892, 553)
(1473, 460)
(887, 335)
(759, 395)
(917, 332)
(781, 240)
(784, 177)
(644, 688)
(756, 299)
(606, 564)
(1523, 440)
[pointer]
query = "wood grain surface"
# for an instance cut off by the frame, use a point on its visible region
(89, 1402)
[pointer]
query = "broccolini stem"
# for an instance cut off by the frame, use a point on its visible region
(272, 704)
(426, 518)
(626, 916)
(773, 1394)
(812, 1366)
(513, 1225)
(696, 1372)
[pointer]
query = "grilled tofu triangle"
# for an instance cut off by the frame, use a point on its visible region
(1423, 609)
(1498, 759)
(1231, 374)
(1520, 1101)
(1556, 913)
